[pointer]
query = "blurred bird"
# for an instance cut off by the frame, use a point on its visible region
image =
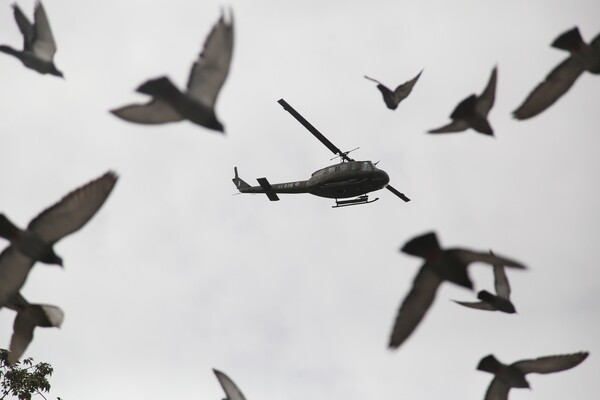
(513, 375)
(393, 98)
(584, 57)
(491, 302)
(440, 265)
(36, 242)
(38, 44)
(197, 104)
(28, 317)
(472, 112)
(231, 390)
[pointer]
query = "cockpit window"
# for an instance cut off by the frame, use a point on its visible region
(319, 172)
(366, 166)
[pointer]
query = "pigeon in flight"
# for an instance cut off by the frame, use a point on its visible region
(197, 103)
(393, 98)
(440, 265)
(472, 112)
(29, 316)
(231, 390)
(492, 302)
(36, 242)
(38, 44)
(513, 375)
(584, 57)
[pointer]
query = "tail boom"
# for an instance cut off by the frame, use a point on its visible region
(267, 188)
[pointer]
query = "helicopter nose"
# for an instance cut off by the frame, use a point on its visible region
(382, 177)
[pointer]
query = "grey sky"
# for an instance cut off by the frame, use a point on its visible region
(294, 300)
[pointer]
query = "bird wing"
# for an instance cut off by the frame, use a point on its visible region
(154, 112)
(549, 364)
(498, 390)
(481, 305)
(74, 210)
(212, 66)
(24, 26)
(28, 317)
(469, 256)
(558, 81)
(501, 281)
(415, 305)
(231, 390)
(486, 100)
(14, 268)
(22, 336)
(43, 43)
(402, 91)
(372, 79)
(457, 125)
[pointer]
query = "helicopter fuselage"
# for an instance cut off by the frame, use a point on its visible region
(347, 179)
(338, 181)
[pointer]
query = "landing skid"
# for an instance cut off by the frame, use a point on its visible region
(364, 199)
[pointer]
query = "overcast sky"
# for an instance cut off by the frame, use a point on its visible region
(292, 299)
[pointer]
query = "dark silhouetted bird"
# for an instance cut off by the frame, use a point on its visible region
(440, 265)
(393, 98)
(38, 44)
(491, 302)
(231, 390)
(36, 242)
(29, 316)
(197, 104)
(513, 375)
(472, 112)
(584, 57)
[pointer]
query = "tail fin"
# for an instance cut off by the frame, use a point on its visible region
(239, 182)
(571, 40)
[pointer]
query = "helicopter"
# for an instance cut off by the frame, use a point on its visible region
(349, 180)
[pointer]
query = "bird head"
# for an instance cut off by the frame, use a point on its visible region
(54, 259)
(214, 124)
(489, 364)
(54, 71)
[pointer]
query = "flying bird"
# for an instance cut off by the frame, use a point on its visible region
(393, 98)
(36, 242)
(513, 375)
(440, 265)
(231, 390)
(197, 103)
(472, 112)
(29, 316)
(494, 302)
(38, 43)
(584, 57)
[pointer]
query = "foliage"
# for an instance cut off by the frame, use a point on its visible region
(23, 379)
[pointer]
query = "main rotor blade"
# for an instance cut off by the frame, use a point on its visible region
(313, 130)
(397, 193)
